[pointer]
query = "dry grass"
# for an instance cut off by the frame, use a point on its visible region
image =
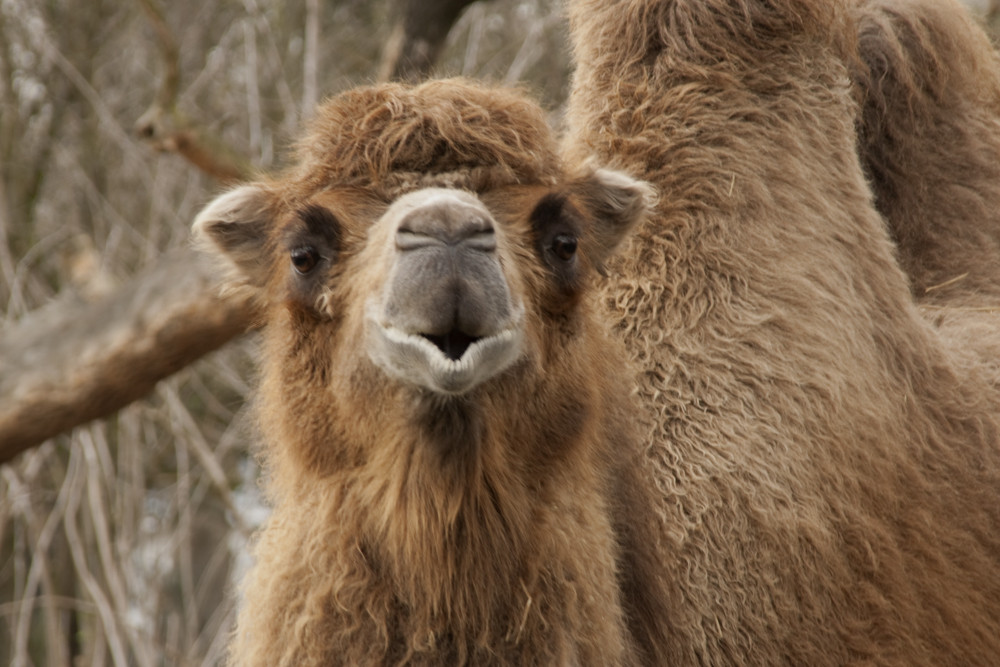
(120, 539)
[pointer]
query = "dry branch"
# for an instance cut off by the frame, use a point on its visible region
(170, 85)
(74, 361)
(166, 129)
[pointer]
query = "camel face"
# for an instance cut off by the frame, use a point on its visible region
(428, 236)
(438, 289)
(445, 318)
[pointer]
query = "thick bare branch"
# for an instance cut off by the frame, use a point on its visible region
(74, 361)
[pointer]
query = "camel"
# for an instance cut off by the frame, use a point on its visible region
(446, 432)
(827, 460)
(929, 134)
(665, 393)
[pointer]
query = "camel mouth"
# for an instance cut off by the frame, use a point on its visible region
(453, 344)
(453, 363)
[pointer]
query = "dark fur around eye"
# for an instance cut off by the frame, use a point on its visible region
(311, 244)
(557, 233)
(313, 238)
(322, 225)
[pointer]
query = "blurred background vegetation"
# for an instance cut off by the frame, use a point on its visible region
(120, 541)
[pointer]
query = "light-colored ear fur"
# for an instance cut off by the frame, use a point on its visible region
(618, 204)
(234, 226)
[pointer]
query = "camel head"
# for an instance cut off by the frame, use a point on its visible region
(428, 242)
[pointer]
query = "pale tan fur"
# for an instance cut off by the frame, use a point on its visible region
(828, 463)
(930, 142)
(807, 471)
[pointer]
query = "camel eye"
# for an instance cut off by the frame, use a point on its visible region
(304, 259)
(564, 246)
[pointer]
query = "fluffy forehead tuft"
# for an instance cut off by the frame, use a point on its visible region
(377, 135)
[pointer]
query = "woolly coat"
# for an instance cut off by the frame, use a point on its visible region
(828, 464)
(929, 138)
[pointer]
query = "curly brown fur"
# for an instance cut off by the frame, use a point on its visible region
(829, 466)
(371, 137)
(930, 141)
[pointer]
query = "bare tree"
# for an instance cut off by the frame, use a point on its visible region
(74, 361)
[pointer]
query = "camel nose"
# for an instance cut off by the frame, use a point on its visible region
(446, 277)
(446, 221)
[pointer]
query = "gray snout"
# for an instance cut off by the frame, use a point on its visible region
(447, 284)
(446, 319)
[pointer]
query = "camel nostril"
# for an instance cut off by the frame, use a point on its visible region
(444, 217)
(452, 344)
(483, 240)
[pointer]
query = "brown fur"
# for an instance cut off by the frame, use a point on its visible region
(820, 477)
(930, 140)
(377, 136)
(829, 466)
(413, 528)
(930, 143)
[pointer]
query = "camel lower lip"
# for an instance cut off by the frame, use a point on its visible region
(418, 360)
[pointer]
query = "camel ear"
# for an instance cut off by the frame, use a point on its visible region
(617, 203)
(234, 226)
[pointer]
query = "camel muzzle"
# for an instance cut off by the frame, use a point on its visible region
(446, 319)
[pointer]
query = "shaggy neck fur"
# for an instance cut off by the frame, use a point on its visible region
(440, 533)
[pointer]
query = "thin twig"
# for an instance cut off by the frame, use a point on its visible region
(184, 543)
(946, 283)
(252, 88)
(527, 54)
(167, 96)
(76, 478)
(203, 451)
(37, 571)
(963, 309)
(108, 122)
